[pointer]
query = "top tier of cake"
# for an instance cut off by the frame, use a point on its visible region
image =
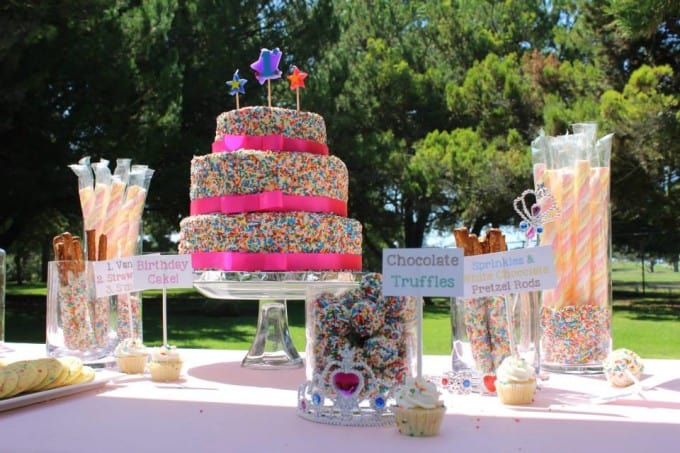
(263, 121)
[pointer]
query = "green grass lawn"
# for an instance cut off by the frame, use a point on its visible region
(648, 324)
(646, 319)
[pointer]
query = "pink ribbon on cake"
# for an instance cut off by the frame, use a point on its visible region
(268, 142)
(241, 261)
(274, 200)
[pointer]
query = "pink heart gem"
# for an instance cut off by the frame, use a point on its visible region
(346, 383)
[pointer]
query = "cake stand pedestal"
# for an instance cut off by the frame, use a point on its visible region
(272, 347)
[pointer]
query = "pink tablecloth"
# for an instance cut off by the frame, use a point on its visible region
(220, 406)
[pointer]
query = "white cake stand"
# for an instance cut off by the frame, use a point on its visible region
(272, 347)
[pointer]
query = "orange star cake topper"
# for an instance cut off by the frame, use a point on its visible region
(297, 81)
(297, 78)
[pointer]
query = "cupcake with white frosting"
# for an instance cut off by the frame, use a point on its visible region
(515, 381)
(418, 411)
(166, 364)
(131, 356)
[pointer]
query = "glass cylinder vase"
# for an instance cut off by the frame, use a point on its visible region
(486, 330)
(129, 305)
(379, 332)
(129, 320)
(576, 314)
(3, 279)
(77, 322)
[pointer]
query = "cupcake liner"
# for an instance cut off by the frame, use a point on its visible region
(132, 364)
(419, 422)
(516, 393)
(165, 371)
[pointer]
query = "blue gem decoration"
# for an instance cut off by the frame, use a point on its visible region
(466, 383)
(316, 399)
(379, 402)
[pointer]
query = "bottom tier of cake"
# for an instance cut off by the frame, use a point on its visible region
(272, 241)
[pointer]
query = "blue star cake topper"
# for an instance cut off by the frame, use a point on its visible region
(267, 66)
(236, 85)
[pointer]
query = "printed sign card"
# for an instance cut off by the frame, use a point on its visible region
(113, 277)
(137, 273)
(424, 272)
(515, 271)
(162, 271)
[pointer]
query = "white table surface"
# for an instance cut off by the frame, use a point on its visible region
(220, 406)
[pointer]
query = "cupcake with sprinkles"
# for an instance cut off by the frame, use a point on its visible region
(131, 356)
(515, 381)
(166, 364)
(419, 411)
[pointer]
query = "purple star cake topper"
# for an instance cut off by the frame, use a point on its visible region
(267, 66)
(543, 211)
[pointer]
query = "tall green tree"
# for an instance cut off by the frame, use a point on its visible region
(637, 49)
(138, 79)
(646, 116)
(388, 76)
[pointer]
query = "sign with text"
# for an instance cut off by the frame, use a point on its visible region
(162, 271)
(516, 271)
(137, 273)
(424, 272)
(113, 277)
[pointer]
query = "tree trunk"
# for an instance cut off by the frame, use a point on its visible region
(18, 264)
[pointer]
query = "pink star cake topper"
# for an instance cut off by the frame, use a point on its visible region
(267, 66)
(297, 78)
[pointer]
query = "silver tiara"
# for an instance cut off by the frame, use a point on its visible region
(536, 215)
(346, 393)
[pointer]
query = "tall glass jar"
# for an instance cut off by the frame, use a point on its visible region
(576, 315)
(380, 332)
(3, 278)
(129, 305)
(77, 322)
(486, 330)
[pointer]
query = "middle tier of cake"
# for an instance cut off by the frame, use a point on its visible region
(253, 180)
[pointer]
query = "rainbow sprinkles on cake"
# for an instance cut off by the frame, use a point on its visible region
(270, 197)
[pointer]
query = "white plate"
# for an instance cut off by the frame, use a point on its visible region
(101, 378)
